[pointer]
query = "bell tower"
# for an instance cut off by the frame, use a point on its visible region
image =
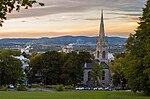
(102, 43)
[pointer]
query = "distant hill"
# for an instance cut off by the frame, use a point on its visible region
(62, 40)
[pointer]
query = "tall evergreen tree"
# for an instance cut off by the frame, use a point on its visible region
(138, 46)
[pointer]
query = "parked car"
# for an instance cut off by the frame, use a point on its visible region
(109, 88)
(117, 88)
(96, 88)
(11, 86)
(87, 88)
(100, 88)
(79, 88)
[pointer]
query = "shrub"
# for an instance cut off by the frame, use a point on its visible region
(22, 88)
(3, 88)
(36, 86)
(69, 87)
(58, 87)
(48, 86)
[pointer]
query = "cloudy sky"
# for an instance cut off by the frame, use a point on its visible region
(73, 17)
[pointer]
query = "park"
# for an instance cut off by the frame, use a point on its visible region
(73, 95)
(67, 73)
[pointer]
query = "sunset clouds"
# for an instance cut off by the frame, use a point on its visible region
(74, 17)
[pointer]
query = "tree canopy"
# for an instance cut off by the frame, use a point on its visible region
(97, 73)
(10, 68)
(138, 57)
(59, 68)
(117, 70)
(7, 6)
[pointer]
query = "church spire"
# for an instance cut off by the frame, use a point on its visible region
(101, 31)
(101, 44)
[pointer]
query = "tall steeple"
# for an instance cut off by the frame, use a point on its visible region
(101, 56)
(101, 44)
(101, 31)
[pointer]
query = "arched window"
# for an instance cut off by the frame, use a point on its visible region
(103, 54)
(97, 54)
(89, 75)
(103, 76)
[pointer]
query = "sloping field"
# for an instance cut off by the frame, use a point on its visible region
(73, 95)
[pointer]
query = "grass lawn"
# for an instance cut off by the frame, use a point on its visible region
(73, 95)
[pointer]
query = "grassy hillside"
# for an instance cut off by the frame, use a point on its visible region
(73, 95)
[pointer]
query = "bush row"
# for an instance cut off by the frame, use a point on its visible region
(52, 87)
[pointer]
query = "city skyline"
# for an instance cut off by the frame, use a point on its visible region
(75, 18)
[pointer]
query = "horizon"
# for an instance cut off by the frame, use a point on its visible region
(59, 36)
(75, 18)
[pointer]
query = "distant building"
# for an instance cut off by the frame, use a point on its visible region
(111, 57)
(26, 49)
(24, 61)
(101, 57)
(68, 48)
(25, 65)
(41, 52)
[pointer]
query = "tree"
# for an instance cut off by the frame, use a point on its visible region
(10, 52)
(36, 67)
(72, 70)
(85, 57)
(97, 73)
(52, 63)
(138, 58)
(48, 65)
(10, 69)
(7, 6)
(59, 68)
(117, 69)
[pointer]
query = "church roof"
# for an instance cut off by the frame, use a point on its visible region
(91, 64)
(105, 66)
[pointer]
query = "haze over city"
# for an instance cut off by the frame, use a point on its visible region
(73, 17)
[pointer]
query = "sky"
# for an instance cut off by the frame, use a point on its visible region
(74, 17)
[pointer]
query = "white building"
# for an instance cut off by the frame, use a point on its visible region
(26, 49)
(68, 48)
(24, 61)
(111, 57)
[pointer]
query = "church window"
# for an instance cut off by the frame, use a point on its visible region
(103, 54)
(103, 75)
(97, 54)
(89, 75)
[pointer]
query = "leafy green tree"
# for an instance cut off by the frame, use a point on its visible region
(85, 57)
(59, 68)
(7, 6)
(72, 70)
(10, 69)
(49, 66)
(52, 63)
(36, 67)
(10, 52)
(138, 58)
(97, 73)
(117, 69)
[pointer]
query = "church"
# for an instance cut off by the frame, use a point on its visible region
(101, 57)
